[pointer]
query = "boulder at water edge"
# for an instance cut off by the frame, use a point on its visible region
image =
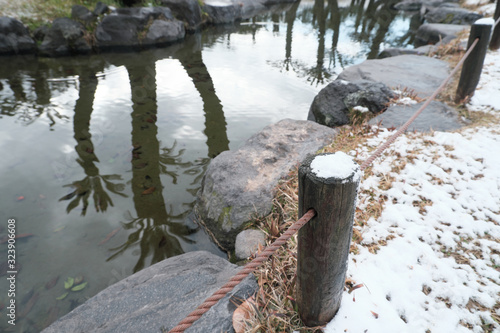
(332, 105)
(133, 28)
(160, 296)
(65, 37)
(15, 37)
(239, 185)
(185, 10)
(434, 33)
(452, 15)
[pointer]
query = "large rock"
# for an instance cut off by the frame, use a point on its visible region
(159, 297)
(437, 116)
(333, 103)
(15, 37)
(433, 33)
(65, 37)
(452, 15)
(133, 28)
(419, 73)
(186, 10)
(239, 185)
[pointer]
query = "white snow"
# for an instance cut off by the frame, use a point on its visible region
(338, 165)
(361, 109)
(485, 21)
(440, 267)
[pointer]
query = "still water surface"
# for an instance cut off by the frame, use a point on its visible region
(102, 156)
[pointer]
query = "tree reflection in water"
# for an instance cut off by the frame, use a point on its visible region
(155, 229)
(92, 183)
(31, 92)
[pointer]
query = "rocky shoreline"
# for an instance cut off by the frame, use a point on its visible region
(105, 28)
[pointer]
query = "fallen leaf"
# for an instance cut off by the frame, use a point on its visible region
(242, 314)
(149, 190)
(60, 228)
(29, 306)
(374, 314)
(69, 283)
(355, 287)
(79, 287)
(52, 283)
(6, 238)
(79, 279)
(20, 198)
(110, 235)
(63, 296)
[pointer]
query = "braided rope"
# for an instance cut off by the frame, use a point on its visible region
(418, 112)
(247, 269)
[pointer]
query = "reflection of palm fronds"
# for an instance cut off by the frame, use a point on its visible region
(85, 187)
(168, 159)
(159, 239)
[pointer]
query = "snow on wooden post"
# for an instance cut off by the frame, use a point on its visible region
(495, 37)
(473, 65)
(329, 184)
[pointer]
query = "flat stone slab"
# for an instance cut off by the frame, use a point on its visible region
(437, 116)
(239, 185)
(419, 73)
(159, 297)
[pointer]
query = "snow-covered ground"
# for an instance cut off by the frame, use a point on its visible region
(440, 268)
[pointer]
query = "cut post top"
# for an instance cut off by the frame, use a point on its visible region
(337, 166)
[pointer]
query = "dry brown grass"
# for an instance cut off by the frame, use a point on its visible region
(275, 307)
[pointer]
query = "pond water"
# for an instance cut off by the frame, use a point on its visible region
(102, 155)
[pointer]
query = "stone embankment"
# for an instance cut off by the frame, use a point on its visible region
(106, 28)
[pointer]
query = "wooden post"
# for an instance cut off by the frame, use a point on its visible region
(495, 37)
(329, 184)
(473, 65)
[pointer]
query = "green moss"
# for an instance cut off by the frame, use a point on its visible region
(224, 219)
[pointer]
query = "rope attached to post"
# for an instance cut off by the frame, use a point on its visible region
(247, 269)
(269, 250)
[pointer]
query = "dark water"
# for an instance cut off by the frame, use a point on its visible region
(102, 156)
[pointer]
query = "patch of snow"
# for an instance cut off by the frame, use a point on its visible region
(361, 109)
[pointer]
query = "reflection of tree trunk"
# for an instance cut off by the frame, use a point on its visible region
(42, 89)
(359, 15)
(16, 84)
(275, 18)
(384, 16)
(335, 21)
(215, 121)
(369, 16)
(290, 16)
(146, 184)
(81, 122)
(92, 184)
(321, 17)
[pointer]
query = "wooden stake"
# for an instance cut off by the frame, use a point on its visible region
(323, 243)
